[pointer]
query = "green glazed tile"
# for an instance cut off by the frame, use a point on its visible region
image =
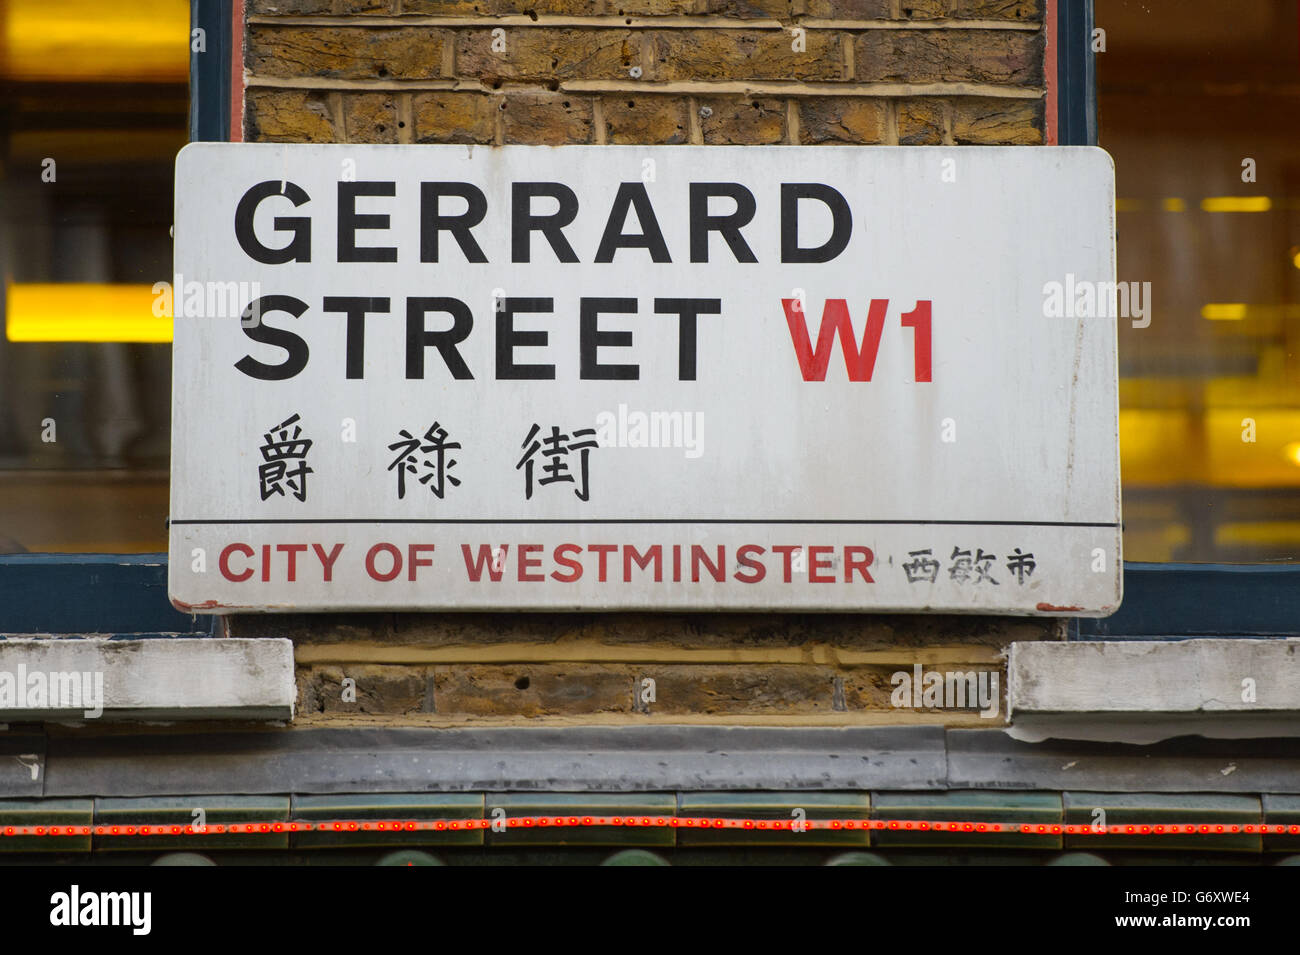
(182, 859)
(858, 858)
(776, 806)
(46, 812)
(1076, 859)
(1152, 809)
(636, 857)
(409, 857)
(387, 807)
(1009, 809)
(581, 805)
(171, 811)
(1281, 811)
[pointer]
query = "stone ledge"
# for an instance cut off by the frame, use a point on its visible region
(1145, 691)
(154, 679)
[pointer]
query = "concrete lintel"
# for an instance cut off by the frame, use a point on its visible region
(1145, 691)
(76, 680)
(610, 759)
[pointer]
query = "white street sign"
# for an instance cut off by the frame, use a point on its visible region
(626, 377)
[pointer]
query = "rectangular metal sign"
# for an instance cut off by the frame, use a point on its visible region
(607, 377)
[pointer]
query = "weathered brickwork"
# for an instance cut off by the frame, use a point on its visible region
(746, 72)
(893, 72)
(451, 669)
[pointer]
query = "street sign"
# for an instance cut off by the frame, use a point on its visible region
(627, 377)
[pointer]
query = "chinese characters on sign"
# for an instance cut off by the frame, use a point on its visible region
(554, 450)
(923, 567)
(279, 450)
(407, 460)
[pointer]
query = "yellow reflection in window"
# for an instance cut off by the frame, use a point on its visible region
(84, 312)
(95, 40)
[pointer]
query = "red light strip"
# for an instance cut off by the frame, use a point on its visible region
(651, 822)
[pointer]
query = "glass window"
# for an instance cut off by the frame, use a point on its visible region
(92, 113)
(1197, 104)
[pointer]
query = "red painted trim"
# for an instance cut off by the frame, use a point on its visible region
(237, 71)
(1049, 69)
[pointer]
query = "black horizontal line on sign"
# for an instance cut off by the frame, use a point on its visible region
(628, 520)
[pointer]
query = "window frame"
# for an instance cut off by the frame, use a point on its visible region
(212, 113)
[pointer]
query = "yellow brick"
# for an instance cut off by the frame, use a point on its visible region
(841, 119)
(1023, 10)
(745, 55)
(289, 116)
(378, 689)
(498, 8)
(652, 8)
(550, 119)
(1026, 10)
(998, 122)
(370, 117)
(532, 690)
(748, 9)
(646, 119)
(369, 6)
(446, 117)
(725, 690)
(920, 122)
(925, 9)
(345, 52)
(537, 54)
(290, 8)
(1008, 57)
(849, 9)
(742, 121)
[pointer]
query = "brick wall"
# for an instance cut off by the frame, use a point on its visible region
(761, 669)
(910, 72)
(895, 72)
